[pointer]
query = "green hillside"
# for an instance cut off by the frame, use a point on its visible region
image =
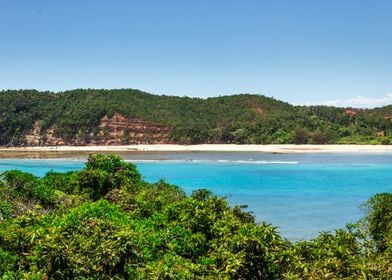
(243, 118)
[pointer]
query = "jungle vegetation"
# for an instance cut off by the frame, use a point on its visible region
(241, 119)
(106, 222)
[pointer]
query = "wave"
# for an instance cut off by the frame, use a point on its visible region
(223, 161)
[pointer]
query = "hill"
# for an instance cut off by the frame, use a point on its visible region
(128, 116)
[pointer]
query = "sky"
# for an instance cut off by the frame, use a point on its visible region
(333, 52)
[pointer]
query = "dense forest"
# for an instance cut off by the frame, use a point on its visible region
(29, 117)
(105, 222)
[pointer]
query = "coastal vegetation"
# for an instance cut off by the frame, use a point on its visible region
(106, 222)
(123, 116)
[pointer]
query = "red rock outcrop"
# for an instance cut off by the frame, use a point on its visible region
(34, 137)
(47, 138)
(351, 112)
(117, 130)
(388, 118)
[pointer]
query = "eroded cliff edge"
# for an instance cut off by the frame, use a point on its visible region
(114, 130)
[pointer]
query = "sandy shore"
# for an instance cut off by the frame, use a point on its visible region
(210, 148)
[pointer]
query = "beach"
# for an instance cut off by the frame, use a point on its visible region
(285, 148)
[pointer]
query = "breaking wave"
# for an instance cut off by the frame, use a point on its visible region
(223, 161)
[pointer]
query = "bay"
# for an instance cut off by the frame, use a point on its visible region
(301, 194)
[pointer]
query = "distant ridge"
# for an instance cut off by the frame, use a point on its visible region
(129, 116)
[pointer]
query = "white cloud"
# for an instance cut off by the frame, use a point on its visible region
(361, 101)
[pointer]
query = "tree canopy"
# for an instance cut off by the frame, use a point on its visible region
(244, 118)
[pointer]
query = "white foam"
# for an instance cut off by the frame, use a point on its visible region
(261, 162)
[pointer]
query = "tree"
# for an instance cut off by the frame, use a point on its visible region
(105, 173)
(300, 136)
(379, 219)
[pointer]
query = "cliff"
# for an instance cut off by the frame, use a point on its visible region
(116, 130)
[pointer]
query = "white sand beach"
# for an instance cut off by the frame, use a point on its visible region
(287, 148)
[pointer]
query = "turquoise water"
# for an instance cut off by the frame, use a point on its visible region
(301, 194)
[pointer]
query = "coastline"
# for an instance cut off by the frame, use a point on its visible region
(279, 148)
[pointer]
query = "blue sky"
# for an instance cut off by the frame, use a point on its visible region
(304, 52)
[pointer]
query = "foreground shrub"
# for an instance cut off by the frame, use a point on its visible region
(105, 222)
(379, 219)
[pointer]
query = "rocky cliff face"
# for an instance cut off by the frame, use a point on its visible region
(117, 130)
(36, 137)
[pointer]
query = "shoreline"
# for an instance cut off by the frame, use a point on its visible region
(279, 148)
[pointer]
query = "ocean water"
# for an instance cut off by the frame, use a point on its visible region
(301, 194)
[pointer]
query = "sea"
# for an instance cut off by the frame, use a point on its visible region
(300, 194)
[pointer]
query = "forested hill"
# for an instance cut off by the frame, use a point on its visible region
(127, 116)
